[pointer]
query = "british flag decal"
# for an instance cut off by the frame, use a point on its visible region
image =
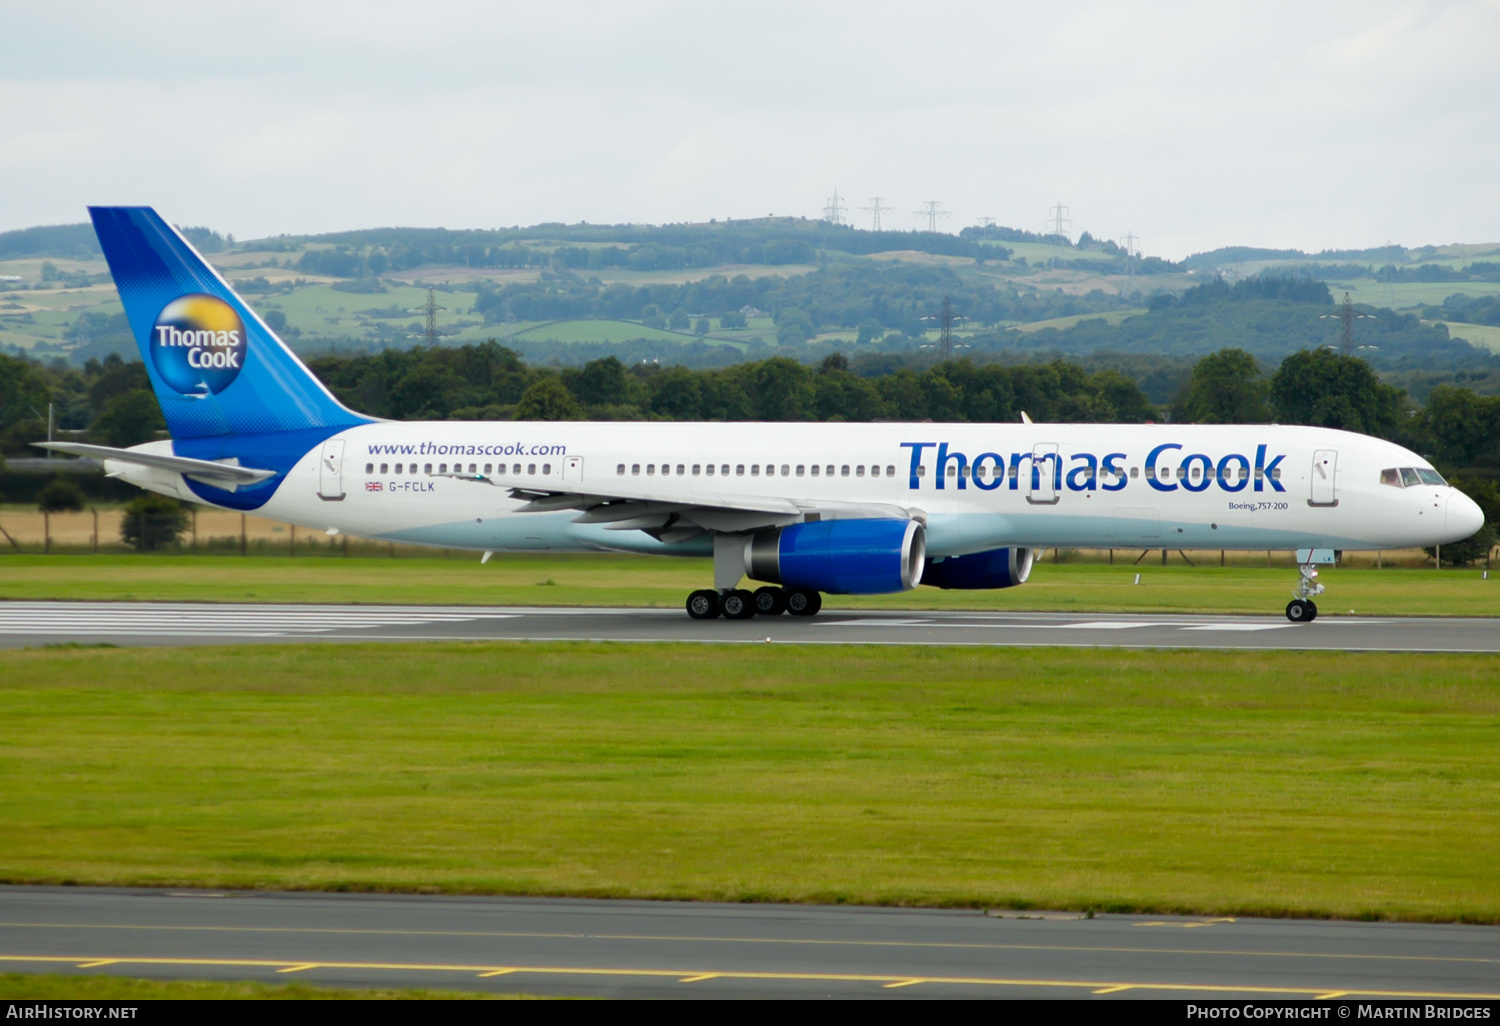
(374, 486)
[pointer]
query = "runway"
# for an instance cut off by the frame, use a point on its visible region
(153, 623)
(676, 949)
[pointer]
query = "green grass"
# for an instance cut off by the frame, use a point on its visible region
(1484, 335)
(57, 987)
(1360, 785)
(553, 579)
(606, 331)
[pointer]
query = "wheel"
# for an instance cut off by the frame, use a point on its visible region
(1301, 611)
(703, 605)
(770, 601)
(737, 605)
(803, 602)
(1314, 607)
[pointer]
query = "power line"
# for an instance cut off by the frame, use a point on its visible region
(1131, 252)
(987, 222)
(833, 213)
(931, 210)
(875, 210)
(430, 336)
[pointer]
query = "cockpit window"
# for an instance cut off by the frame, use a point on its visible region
(1409, 478)
(1391, 477)
(1431, 477)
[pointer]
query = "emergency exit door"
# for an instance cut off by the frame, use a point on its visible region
(331, 471)
(1046, 471)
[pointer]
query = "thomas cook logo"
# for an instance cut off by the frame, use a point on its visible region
(198, 344)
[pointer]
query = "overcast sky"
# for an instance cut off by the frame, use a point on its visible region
(1194, 125)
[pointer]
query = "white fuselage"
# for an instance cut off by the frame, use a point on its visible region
(1110, 486)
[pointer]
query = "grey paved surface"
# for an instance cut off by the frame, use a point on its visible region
(141, 623)
(669, 949)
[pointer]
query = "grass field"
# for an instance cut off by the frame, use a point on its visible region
(57, 987)
(620, 580)
(1485, 335)
(1359, 785)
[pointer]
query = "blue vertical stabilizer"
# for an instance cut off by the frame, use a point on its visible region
(216, 368)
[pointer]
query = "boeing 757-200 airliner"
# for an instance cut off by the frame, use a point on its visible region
(803, 508)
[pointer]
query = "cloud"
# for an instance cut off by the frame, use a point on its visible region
(1193, 125)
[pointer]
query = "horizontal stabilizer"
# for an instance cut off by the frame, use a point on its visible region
(206, 470)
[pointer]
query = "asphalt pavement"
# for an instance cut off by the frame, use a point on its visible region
(679, 949)
(180, 623)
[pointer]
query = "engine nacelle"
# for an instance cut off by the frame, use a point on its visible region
(841, 557)
(997, 568)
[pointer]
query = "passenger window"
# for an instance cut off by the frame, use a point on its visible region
(531, 468)
(963, 471)
(859, 471)
(473, 469)
(369, 468)
(697, 469)
(1276, 474)
(1431, 477)
(829, 470)
(724, 470)
(921, 471)
(1391, 477)
(815, 470)
(398, 468)
(801, 469)
(1409, 477)
(784, 470)
(1197, 473)
(1134, 472)
(651, 469)
(546, 468)
(442, 468)
(770, 470)
(1150, 474)
(952, 471)
(874, 470)
(845, 470)
(680, 469)
(710, 470)
(755, 470)
(739, 470)
(620, 470)
(428, 468)
(487, 468)
(890, 470)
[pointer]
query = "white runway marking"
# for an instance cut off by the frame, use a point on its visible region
(177, 620)
(1237, 627)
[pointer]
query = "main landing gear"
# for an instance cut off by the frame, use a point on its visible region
(737, 604)
(1303, 609)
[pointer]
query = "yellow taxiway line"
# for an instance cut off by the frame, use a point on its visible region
(695, 976)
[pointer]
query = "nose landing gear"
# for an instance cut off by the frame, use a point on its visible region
(1302, 608)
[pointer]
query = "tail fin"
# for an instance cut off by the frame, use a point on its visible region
(216, 368)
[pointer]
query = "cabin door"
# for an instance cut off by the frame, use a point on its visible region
(573, 468)
(1324, 486)
(1046, 468)
(331, 470)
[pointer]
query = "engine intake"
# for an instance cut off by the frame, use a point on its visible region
(841, 557)
(996, 568)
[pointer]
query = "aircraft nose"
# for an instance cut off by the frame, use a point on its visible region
(1464, 516)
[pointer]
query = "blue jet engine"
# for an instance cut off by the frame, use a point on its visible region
(996, 568)
(841, 557)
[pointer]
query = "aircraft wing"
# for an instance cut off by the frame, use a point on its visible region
(674, 515)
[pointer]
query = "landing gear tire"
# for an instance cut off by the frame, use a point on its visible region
(737, 605)
(803, 601)
(1301, 611)
(769, 601)
(703, 605)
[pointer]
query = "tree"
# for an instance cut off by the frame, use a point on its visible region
(870, 330)
(23, 391)
(599, 382)
(60, 495)
(731, 320)
(700, 326)
(1321, 388)
(1464, 427)
(679, 319)
(153, 521)
(1225, 388)
(547, 399)
(130, 418)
